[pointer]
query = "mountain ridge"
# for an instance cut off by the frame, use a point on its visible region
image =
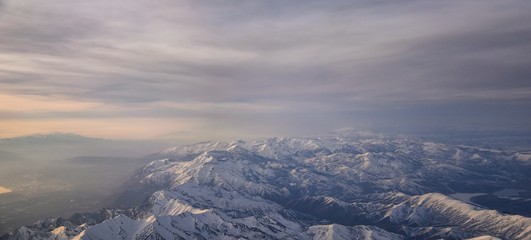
(333, 187)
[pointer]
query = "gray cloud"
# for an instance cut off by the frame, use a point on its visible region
(300, 64)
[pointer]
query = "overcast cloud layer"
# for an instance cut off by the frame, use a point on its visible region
(236, 69)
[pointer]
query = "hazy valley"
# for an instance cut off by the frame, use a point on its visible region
(60, 174)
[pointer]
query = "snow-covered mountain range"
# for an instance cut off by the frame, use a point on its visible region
(348, 185)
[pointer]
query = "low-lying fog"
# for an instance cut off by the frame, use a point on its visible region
(60, 174)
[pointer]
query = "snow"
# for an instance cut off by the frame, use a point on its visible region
(484, 238)
(340, 232)
(197, 148)
(59, 234)
(436, 208)
(217, 190)
(121, 227)
(227, 167)
(526, 157)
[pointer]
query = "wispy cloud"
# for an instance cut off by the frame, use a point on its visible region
(243, 66)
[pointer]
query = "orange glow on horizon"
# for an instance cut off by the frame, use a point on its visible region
(115, 128)
(26, 103)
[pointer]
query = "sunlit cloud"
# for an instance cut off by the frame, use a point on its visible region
(35, 104)
(258, 68)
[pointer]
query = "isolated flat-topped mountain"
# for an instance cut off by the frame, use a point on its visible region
(342, 186)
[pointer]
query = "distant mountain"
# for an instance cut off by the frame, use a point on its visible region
(348, 185)
(99, 160)
(68, 145)
(49, 137)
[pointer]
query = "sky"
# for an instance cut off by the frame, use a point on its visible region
(235, 69)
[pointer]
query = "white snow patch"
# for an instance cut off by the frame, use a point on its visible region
(523, 156)
(484, 238)
(340, 232)
(59, 233)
